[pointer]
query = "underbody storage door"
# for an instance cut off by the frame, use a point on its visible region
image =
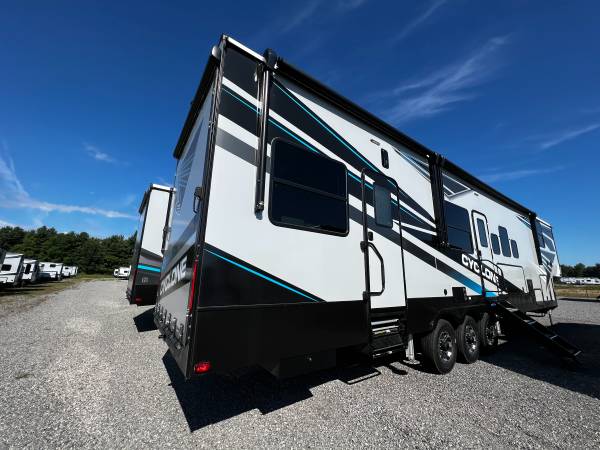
(381, 243)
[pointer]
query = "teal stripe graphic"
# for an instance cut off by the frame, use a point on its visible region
(149, 268)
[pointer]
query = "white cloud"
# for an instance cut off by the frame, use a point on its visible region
(14, 195)
(510, 175)
(415, 23)
(98, 154)
(301, 16)
(567, 135)
(441, 90)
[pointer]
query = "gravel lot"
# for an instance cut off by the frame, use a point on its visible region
(85, 368)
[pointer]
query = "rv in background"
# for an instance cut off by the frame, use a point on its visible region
(148, 249)
(51, 271)
(580, 280)
(11, 271)
(69, 271)
(31, 271)
(303, 226)
(122, 272)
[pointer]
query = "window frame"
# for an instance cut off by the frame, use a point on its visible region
(478, 221)
(273, 179)
(492, 236)
(471, 248)
(514, 246)
(500, 228)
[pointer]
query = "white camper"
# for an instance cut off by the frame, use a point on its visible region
(51, 271)
(303, 226)
(122, 272)
(148, 249)
(69, 271)
(11, 271)
(31, 270)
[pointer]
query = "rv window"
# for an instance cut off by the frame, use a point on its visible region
(458, 227)
(495, 244)
(383, 206)
(483, 240)
(52, 265)
(6, 267)
(514, 248)
(540, 234)
(504, 244)
(308, 190)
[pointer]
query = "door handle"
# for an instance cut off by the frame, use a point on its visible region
(370, 244)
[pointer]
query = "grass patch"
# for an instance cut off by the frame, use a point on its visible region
(569, 290)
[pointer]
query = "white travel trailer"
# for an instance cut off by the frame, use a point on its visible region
(51, 271)
(69, 271)
(122, 272)
(11, 271)
(303, 226)
(148, 250)
(31, 270)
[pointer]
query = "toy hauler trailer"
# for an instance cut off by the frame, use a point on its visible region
(302, 226)
(148, 251)
(51, 271)
(11, 271)
(31, 270)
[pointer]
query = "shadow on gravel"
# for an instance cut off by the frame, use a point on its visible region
(213, 398)
(144, 321)
(524, 356)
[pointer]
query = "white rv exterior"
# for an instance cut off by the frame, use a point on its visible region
(122, 272)
(69, 271)
(303, 225)
(11, 271)
(148, 250)
(51, 270)
(31, 270)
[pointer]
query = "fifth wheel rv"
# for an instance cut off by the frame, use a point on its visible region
(148, 250)
(51, 271)
(31, 270)
(11, 272)
(303, 226)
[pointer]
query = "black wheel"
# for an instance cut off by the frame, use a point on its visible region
(468, 340)
(488, 332)
(439, 347)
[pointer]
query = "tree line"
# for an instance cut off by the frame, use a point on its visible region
(581, 270)
(90, 254)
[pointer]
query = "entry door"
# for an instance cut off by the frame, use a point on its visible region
(484, 249)
(381, 243)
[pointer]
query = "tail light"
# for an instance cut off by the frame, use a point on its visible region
(201, 367)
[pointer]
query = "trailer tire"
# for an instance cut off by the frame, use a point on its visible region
(439, 347)
(468, 340)
(488, 332)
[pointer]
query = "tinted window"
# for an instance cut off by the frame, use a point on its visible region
(514, 248)
(6, 267)
(495, 244)
(52, 265)
(383, 206)
(458, 228)
(504, 244)
(308, 190)
(540, 235)
(483, 240)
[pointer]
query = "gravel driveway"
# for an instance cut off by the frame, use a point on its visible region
(85, 368)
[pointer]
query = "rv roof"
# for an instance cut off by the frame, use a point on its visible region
(288, 70)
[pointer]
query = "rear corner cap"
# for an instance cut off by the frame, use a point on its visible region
(270, 58)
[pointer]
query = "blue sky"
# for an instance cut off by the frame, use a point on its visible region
(93, 95)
